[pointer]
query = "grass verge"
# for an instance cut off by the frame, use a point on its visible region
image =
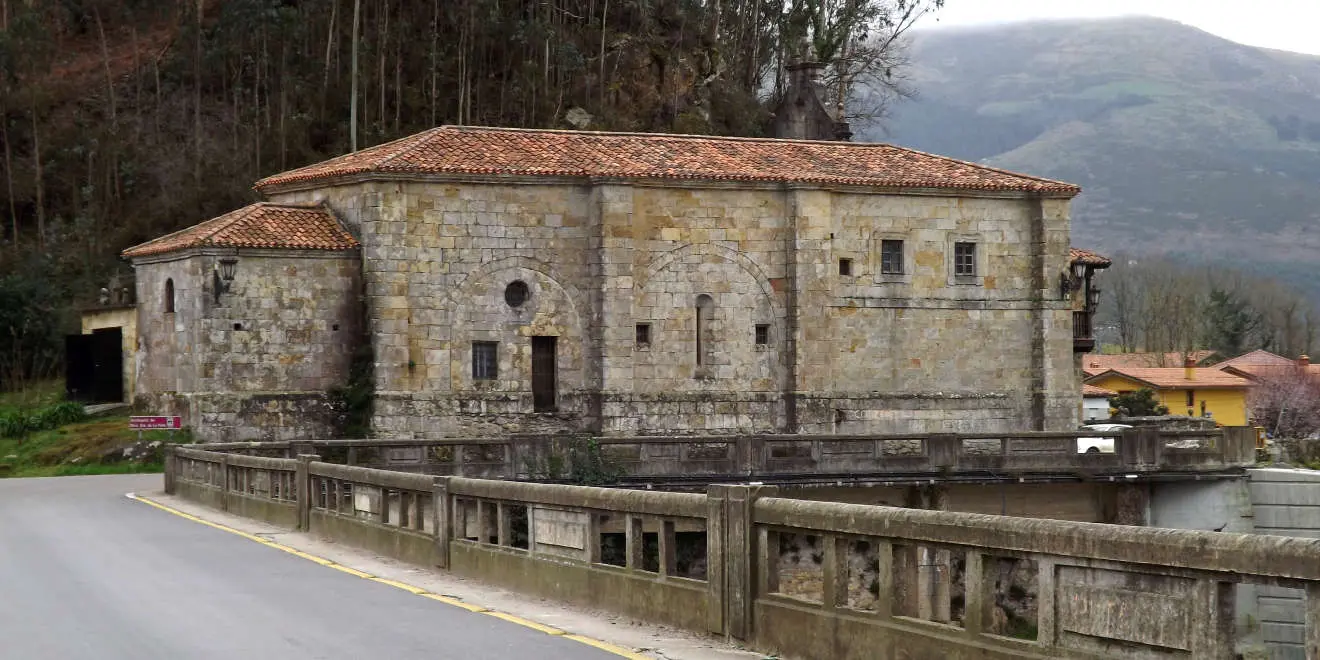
(102, 445)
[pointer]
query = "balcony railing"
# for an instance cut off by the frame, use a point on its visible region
(1083, 334)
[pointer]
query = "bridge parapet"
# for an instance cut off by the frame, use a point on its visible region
(926, 582)
(794, 459)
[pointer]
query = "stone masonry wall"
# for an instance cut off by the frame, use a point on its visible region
(257, 363)
(862, 352)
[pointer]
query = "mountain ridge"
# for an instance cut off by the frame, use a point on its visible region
(1184, 143)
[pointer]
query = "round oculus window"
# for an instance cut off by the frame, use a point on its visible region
(516, 293)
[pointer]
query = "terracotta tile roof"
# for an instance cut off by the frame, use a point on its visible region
(1093, 391)
(526, 152)
(1168, 378)
(1078, 255)
(1274, 372)
(1094, 364)
(260, 225)
(1256, 358)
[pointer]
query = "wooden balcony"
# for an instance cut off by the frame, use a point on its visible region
(1083, 333)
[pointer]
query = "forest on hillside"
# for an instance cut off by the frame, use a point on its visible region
(121, 120)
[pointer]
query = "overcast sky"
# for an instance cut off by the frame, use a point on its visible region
(1284, 24)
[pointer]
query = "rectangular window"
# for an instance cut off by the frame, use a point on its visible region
(891, 257)
(485, 360)
(1191, 398)
(762, 334)
(964, 259)
(643, 334)
(845, 267)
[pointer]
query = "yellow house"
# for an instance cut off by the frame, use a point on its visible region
(1191, 391)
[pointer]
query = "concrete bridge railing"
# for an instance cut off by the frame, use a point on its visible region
(787, 459)
(791, 577)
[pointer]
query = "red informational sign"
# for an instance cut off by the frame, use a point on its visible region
(160, 422)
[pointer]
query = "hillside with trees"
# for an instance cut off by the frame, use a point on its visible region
(121, 120)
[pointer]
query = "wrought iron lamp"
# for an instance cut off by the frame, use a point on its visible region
(223, 276)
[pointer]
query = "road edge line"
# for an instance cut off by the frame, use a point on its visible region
(417, 591)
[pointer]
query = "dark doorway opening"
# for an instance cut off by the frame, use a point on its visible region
(94, 366)
(544, 378)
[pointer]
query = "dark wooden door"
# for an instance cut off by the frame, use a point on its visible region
(544, 382)
(109, 361)
(79, 369)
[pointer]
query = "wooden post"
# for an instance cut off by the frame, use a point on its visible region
(440, 506)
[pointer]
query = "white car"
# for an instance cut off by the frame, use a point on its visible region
(1099, 445)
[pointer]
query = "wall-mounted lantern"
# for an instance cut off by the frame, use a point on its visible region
(223, 276)
(1072, 279)
(1093, 298)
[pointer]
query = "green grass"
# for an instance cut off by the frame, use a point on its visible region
(33, 395)
(90, 447)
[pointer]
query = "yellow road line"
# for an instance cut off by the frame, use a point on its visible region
(607, 647)
(448, 600)
(455, 602)
(525, 622)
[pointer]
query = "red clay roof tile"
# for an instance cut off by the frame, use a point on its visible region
(1088, 257)
(527, 152)
(1164, 378)
(260, 225)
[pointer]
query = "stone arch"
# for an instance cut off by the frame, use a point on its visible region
(478, 311)
(667, 259)
(737, 297)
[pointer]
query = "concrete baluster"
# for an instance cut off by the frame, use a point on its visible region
(1213, 628)
(740, 548)
(1046, 602)
(1313, 620)
(716, 555)
(441, 509)
(633, 542)
(884, 597)
(979, 590)
(224, 482)
(668, 544)
(302, 484)
(171, 469)
(834, 568)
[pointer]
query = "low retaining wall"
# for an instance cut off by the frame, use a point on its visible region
(924, 584)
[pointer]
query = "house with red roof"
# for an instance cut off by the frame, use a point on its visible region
(497, 281)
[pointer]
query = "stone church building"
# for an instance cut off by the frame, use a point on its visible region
(539, 281)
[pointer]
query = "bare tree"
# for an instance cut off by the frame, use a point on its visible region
(1286, 402)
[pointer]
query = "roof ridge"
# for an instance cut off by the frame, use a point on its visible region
(239, 215)
(420, 140)
(740, 138)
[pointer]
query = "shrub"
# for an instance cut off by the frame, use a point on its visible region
(20, 423)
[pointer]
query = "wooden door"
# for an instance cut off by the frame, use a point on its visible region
(544, 381)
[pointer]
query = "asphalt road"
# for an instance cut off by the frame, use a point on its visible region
(88, 573)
